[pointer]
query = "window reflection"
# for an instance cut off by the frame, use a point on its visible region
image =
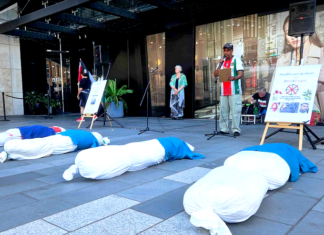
(156, 58)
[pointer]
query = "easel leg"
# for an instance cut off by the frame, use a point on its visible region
(109, 121)
(92, 122)
(82, 117)
(264, 133)
(301, 135)
(308, 137)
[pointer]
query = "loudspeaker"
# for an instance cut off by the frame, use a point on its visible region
(101, 55)
(302, 18)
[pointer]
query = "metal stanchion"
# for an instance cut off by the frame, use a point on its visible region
(4, 108)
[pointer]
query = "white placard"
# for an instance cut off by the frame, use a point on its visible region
(293, 93)
(95, 96)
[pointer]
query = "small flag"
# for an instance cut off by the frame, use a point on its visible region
(83, 68)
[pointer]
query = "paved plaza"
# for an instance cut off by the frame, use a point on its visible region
(35, 199)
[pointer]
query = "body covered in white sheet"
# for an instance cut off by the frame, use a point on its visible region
(15, 134)
(111, 161)
(224, 194)
(270, 165)
(40, 147)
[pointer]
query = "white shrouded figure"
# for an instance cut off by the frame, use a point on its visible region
(29, 132)
(111, 161)
(64, 142)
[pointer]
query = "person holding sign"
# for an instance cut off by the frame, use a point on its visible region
(313, 54)
(231, 90)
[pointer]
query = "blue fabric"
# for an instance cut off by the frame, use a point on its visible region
(296, 161)
(83, 139)
(36, 131)
(176, 149)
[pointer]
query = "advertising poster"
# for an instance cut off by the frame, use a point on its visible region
(293, 94)
(95, 96)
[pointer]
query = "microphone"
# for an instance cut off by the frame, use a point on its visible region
(154, 69)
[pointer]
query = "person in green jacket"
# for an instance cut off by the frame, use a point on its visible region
(177, 101)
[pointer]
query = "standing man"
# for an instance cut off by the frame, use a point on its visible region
(231, 91)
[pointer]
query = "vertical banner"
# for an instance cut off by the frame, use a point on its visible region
(96, 92)
(293, 94)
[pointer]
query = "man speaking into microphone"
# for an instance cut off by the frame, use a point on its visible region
(231, 91)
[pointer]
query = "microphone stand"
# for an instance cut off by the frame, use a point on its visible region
(147, 104)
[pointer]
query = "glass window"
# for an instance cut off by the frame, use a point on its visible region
(156, 58)
(261, 42)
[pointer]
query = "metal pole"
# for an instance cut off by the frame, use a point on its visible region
(62, 81)
(94, 58)
(4, 107)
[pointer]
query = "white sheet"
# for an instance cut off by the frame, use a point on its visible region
(270, 165)
(224, 194)
(110, 161)
(10, 134)
(39, 147)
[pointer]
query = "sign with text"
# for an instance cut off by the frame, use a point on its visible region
(293, 93)
(95, 96)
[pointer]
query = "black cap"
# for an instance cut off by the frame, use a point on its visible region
(228, 46)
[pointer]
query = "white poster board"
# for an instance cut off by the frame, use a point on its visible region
(95, 96)
(293, 93)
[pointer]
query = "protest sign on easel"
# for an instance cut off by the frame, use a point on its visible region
(93, 101)
(291, 101)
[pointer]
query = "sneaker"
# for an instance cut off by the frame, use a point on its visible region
(79, 120)
(223, 133)
(237, 133)
(3, 157)
(95, 117)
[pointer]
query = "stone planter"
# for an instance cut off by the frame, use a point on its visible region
(114, 111)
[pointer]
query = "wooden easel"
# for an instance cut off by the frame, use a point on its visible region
(284, 125)
(90, 115)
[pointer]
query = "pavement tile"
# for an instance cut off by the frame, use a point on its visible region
(19, 178)
(318, 175)
(20, 187)
(319, 206)
(143, 176)
(23, 169)
(150, 190)
(128, 222)
(102, 189)
(189, 176)
(54, 179)
(13, 201)
(61, 162)
(178, 165)
(88, 213)
(12, 164)
(176, 225)
(31, 212)
(305, 186)
(37, 227)
(164, 206)
(285, 208)
(315, 159)
(214, 164)
(54, 170)
(60, 188)
(312, 223)
(258, 226)
(210, 157)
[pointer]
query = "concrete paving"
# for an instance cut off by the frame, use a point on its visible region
(35, 199)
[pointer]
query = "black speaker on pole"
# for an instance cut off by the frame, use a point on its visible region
(302, 18)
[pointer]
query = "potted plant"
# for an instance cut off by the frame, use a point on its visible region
(116, 104)
(53, 103)
(33, 99)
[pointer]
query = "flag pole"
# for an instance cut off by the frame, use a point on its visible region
(62, 79)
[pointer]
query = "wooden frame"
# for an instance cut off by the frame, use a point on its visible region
(90, 115)
(285, 126)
